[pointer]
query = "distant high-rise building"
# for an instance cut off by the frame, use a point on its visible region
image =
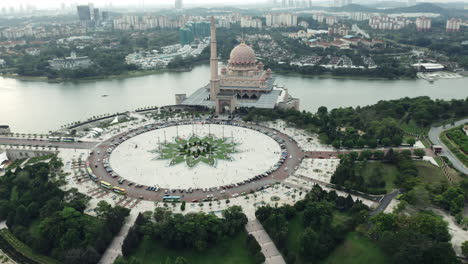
(96, 15)
(423, 23)
(84, 12)
(453, 25)
(178, 4)
(105, 15)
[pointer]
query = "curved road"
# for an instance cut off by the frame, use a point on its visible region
(434, 134)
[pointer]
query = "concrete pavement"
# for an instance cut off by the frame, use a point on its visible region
(434, 136)
(269, 250)
(115, 248)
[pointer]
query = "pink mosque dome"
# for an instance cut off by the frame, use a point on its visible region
(242, 54)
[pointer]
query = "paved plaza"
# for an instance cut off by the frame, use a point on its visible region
(307, 141)
(135, 161)
(318, 169)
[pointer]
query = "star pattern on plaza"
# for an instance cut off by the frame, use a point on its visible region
(196, 149)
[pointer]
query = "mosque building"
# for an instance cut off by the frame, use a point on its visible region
(243, 83)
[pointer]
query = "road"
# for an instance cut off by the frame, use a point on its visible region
(385, 202)
(46, 143)
(434, 134)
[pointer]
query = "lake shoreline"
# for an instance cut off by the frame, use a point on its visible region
(126, 75)
(141, 73)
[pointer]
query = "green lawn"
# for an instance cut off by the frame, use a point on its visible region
(429, 173)
(412, 127)
(294, 234)
(389, 173)
(230, 251)
(356, 249)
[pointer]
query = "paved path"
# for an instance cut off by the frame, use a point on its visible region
(272, 255)
(3, 225)
(115, 248)
(385, 202)
(434, 134)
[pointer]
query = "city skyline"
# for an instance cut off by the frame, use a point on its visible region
(115, 3)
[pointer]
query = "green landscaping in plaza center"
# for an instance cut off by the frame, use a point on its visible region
(195, 150)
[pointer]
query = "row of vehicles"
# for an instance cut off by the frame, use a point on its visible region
(61, 139)
(115, 189)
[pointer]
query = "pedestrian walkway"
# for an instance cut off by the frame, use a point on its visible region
(115, 248)
(269, 250)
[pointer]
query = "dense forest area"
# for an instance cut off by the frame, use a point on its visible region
(372, 126)
(322, 228)
(52, 221)
(192, 232)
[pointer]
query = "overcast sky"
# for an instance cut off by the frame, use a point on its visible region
(57, 3)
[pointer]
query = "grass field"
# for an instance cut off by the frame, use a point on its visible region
(429, 173)
(356, 249)
(412, 127)
(230, 251)
(389, 173)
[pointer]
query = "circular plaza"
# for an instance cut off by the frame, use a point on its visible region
(197, 156)
(194, 160)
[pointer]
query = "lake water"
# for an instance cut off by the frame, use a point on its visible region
(31, 107)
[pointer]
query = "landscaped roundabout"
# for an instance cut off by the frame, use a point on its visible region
(190, 158)
(194, 150)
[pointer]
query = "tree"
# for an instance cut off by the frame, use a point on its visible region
(309, 244)
(131, 241)
(411, 141)
(181, 260)
(386, 142)
(464, 248)
(235, 219)
(419, 197)
(420, 153)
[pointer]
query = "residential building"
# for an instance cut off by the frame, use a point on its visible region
(281, 20)
(249, 22)
(423, 24)
(453, 25)
(331, 20)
